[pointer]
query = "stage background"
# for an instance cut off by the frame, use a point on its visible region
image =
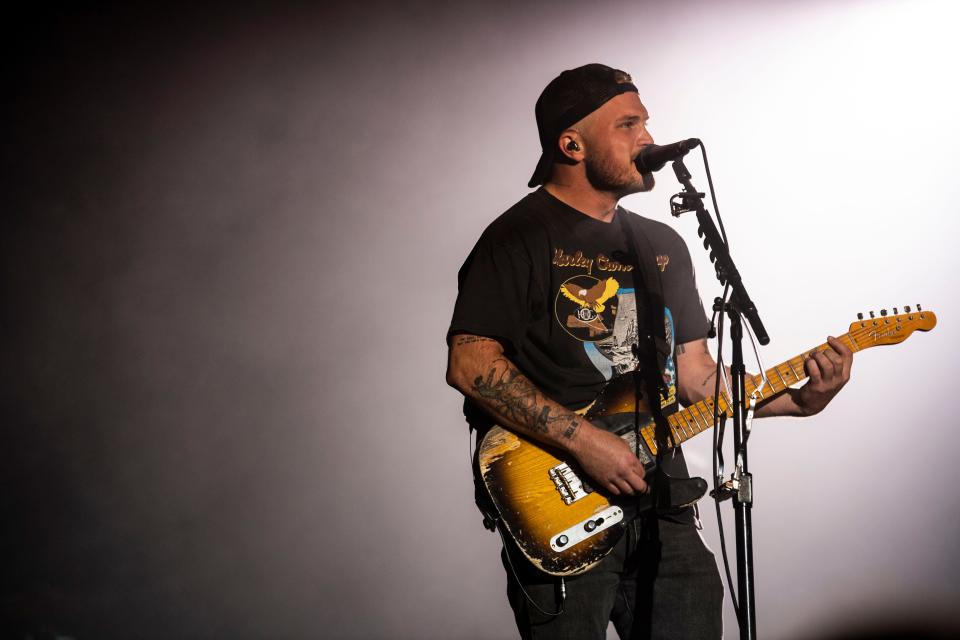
(230, 246)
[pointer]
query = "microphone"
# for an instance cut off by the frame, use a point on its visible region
(652, 157)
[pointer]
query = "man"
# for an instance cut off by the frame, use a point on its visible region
(547, 313)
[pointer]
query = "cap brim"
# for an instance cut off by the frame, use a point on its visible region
(542, 172)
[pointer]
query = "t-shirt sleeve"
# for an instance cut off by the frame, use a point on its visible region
(687, 306)
(494, 284)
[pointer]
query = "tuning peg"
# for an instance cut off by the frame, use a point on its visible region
(883, 312)
(919, 308)
(871, 315)
(907, 309)
(860, 316)
(895, 312)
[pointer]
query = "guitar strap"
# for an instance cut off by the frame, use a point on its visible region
(651, 349)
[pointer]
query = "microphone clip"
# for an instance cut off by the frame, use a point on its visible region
(684, 202)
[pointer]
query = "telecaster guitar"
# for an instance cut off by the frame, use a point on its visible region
(561, 524)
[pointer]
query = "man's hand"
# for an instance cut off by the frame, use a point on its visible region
(609, 460)
(829, 370)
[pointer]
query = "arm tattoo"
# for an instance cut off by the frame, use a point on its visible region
(571, 429)
(514, 396)
(467, 339)
(707, 379)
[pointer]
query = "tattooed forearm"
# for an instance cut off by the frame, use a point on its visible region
(514, 395)
(466, 339)
(511, 394)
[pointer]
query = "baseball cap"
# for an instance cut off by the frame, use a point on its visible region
(569, 98)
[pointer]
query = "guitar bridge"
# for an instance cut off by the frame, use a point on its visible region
(570, 487)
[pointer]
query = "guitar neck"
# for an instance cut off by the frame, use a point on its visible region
(697, 418)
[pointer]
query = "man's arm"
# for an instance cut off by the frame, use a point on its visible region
(478, 368)
(829, 370)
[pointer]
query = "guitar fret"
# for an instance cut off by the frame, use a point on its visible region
(766, 389)
(708, 417)
(678, 436)
(793, 371)
(648, 437)
(782, 379)
(702, 417)
(675, 424)
(709, 402)
(683, 418)
(670, 440)
(722, 404)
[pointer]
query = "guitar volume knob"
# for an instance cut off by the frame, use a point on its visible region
(591, 525)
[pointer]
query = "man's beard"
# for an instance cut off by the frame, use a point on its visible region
(603, 175)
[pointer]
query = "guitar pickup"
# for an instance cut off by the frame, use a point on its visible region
(603, 519)
(568, 484)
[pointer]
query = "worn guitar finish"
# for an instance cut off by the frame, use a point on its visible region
(545, 502)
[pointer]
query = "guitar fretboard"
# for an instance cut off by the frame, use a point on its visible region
(698, 417)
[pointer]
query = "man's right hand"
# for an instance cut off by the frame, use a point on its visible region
(609, 460)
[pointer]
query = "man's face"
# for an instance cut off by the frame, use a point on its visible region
(615, 134)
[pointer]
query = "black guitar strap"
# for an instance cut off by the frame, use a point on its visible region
(652, 349)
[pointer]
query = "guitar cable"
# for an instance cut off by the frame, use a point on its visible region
(513, 570)
(493, 522)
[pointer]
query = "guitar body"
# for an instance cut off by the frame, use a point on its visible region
(545, 501)
(516, 473)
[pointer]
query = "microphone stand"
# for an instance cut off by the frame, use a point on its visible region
(740, 487)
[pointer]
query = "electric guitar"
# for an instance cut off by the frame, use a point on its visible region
(545, 501)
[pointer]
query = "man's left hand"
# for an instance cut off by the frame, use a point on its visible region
(829, 370)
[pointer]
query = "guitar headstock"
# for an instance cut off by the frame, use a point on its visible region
(890, 328)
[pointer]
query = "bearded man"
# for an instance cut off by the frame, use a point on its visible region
(547, 314)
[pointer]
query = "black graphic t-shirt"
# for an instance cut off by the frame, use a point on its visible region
(551, 284)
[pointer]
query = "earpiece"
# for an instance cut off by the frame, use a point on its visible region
(573, 146)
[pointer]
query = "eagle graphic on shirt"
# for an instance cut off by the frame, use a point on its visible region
(594, 297)
(586, 306)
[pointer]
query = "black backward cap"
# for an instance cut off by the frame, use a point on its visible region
(569, 98)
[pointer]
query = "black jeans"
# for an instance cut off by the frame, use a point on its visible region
(660, 581)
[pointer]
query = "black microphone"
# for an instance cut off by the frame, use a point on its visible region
(653, 156)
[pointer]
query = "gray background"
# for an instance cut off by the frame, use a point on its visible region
(230, 244)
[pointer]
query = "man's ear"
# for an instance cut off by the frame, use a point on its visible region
(571, 147)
